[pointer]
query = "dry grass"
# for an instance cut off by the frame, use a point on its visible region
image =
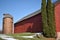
(40, 37)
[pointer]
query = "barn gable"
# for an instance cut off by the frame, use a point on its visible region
(30, 15)
(33, 18)
(29, 23)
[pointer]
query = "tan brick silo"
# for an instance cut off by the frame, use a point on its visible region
(7, 24)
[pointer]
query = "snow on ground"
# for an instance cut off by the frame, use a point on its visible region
(5, 37)
(32, 36)
(27, 36)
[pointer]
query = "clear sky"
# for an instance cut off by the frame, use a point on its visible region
(18, 8)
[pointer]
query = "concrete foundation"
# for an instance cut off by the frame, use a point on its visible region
(58, 36)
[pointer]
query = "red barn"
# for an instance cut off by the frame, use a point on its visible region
(30, 23)
(33, 22)
(57, 17)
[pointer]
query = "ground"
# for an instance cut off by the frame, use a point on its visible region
(1, 39)
(18, 36)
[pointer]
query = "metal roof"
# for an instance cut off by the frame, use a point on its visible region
(7, 15)
(30, 15)
(33, 14)
(58, 1)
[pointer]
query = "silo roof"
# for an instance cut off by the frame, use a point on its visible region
(7, 16)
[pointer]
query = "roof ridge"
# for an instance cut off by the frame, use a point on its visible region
(30, 15)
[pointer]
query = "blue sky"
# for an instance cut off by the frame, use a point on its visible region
(18, 8)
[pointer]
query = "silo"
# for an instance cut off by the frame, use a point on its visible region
(7, 24)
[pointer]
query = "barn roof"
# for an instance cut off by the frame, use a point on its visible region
(34, 13)
(57, 1)
(30, 15)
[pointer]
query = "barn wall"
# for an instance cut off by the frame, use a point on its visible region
(57, 16)
(33, 24)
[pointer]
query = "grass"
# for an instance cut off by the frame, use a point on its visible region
(20, 38)
(21, 34)
(1, 39)
(17, 36)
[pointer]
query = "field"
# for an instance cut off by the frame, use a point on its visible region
(1, 39)
(40, 37)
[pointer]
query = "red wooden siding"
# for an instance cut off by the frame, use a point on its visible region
(33, 24)
(57, 17)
